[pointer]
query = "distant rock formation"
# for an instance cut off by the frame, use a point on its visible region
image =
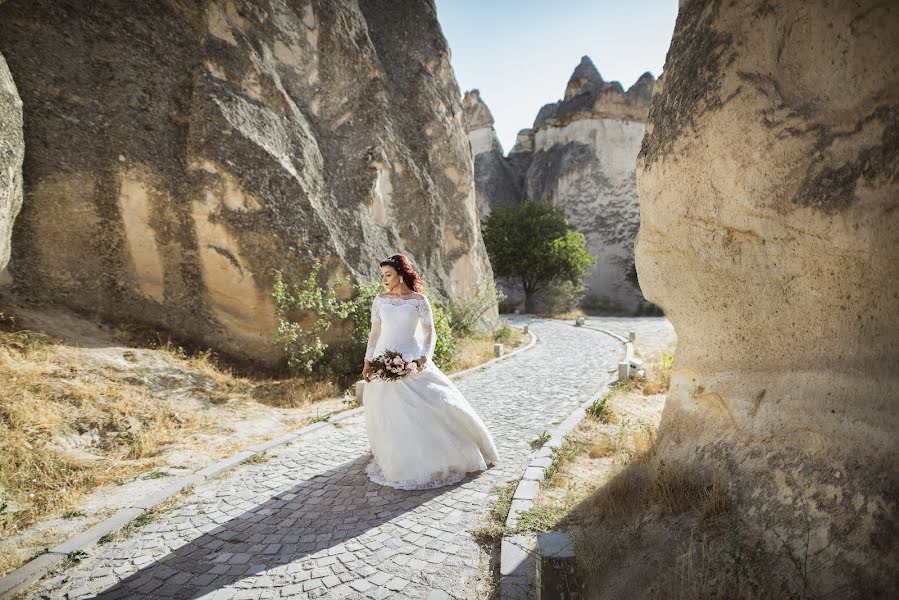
(180, 152)
(496, 182)
(581, 155)
(12, 152)
(769, 233)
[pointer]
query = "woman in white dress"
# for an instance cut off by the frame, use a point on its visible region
(422, 431)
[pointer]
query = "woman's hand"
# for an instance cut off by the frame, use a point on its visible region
(366, 371)
(422, 361)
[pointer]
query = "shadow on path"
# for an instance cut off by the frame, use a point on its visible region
(325, 511)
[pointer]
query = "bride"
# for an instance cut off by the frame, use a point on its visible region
(422, 431)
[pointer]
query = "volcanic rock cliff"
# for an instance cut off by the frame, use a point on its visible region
(581, 155)
(178, 152)
(12, 151)
(769, 233)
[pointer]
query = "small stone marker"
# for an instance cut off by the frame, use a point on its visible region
(632, 336)
(579, 321)
(555, 566)
(360, 388)
(497, 350)
(525, 329)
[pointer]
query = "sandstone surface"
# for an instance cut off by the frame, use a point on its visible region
(769, 234)
(180, 152)
(12, 152)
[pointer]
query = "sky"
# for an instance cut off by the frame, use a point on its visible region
(520, 53)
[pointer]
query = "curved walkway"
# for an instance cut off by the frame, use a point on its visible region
(307, 523)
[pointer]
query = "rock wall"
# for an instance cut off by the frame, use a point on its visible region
(180, 152)
(497, 183)
(580, 154)
(12, 151)
(769, 233)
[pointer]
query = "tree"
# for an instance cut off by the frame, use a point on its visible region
(534, 245)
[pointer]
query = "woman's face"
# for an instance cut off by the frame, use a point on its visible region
(390, 277)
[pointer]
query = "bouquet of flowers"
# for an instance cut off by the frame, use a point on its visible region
(390, 365)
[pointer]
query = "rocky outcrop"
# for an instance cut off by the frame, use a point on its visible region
(580, 155)
(180, 152)
(769, 233)
(496, 182)
(12, 151)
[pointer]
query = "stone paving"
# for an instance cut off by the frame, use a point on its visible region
(307, 523)
(654, 334)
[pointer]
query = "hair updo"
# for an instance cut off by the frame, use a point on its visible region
(405, 269)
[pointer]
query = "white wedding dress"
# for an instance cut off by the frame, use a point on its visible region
(422, 431)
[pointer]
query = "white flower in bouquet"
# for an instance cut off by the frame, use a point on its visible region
(397, 360)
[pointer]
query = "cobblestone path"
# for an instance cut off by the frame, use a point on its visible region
(307, 523)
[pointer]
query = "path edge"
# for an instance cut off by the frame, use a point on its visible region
(516, 558)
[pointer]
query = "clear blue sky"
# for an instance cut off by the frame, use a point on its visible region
(520, 53)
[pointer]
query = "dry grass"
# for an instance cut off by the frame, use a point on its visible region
(295, 392)
(664, 488)
(10, 558)
(569, 315)
(44, 396)
(491, 530)
(478, 348)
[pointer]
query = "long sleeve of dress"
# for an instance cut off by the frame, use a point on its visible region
(375, 328)
(427, 325)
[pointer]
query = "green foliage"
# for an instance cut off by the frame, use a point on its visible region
(502, 334)
(465, 311)
(539, 518)
(599, 409)
(563, 297)
(303, 347)
(533, 244)
(540, 440)
(344, 358)
(446, 349)
(667, 361)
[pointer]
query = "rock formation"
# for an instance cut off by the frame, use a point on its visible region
(580, 155)
(769, 233)
(497, 183)
(180, 152)
(12, 151)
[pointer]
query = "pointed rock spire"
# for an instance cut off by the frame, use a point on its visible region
(477, 115)
(585, 76)
(641, 91)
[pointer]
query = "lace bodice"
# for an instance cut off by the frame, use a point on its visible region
(395, 322)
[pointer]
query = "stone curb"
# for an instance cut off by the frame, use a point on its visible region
(20, 579)
(516, 556)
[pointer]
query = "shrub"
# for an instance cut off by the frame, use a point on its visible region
(446, 349)
(465, 311)
(304, 349)
(563, 297)
(502, 334)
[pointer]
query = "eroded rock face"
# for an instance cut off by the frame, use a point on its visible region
(769, 233)
(182, 155)
(580, 155)
(496, 182)
(12, 151)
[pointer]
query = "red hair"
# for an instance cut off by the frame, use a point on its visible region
(405, 270)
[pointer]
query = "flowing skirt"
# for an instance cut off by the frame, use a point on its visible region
(423, 433)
